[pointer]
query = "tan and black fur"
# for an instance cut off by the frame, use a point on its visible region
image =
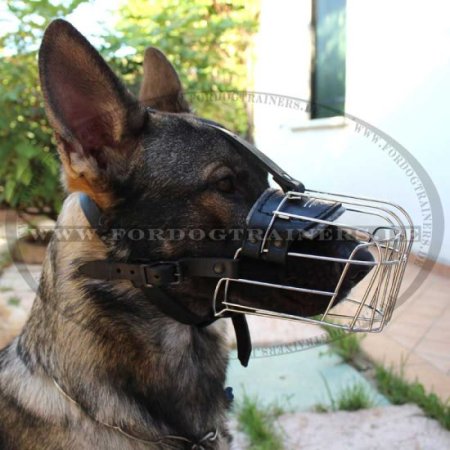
(104, 343)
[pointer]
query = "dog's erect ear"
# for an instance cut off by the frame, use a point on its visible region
(161, 88)
(95, 119)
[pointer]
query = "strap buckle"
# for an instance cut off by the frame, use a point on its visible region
(161, 273)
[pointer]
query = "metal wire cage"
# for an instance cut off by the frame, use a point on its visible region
(383, 228)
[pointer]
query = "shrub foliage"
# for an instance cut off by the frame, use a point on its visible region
(208, 41)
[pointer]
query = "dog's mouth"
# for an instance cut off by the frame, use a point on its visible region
(303, 287)
(308, 285)
(305, 291)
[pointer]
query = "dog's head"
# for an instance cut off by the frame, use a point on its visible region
(165, 170)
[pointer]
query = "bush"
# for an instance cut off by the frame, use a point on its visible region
(207, 40)
(29, 169)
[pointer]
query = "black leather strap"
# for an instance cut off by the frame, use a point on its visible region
(261, 217)
(91, 211)
(150, 278)
(170, 307)
(163, 273)
(243, 338)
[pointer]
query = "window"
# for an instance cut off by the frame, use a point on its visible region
(328, 58)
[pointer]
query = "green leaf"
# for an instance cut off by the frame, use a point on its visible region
(25, 149)
(26, 176)
(9, 192)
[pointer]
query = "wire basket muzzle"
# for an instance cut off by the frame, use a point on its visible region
(370, 242)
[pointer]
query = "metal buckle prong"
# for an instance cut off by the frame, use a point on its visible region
(160, 279)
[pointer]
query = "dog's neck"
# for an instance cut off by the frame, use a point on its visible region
(114, 353)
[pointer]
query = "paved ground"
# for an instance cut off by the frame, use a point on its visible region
(417, 341)
(297, 381)
(391, 428)
(16, 299)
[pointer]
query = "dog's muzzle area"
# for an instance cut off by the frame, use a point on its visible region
(320, 258)
(308, 274)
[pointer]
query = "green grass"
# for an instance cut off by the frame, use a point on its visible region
(345, 344)
(354, 397)
(393, 386)
(400, 391)
(5, 289)
(5, 261)
(351, 398)
(14, 301)
(321, 408)
(257, 422)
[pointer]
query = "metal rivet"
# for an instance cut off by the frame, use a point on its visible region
(278, 244)
(218, 268)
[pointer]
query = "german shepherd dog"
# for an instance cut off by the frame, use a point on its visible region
(97, 365)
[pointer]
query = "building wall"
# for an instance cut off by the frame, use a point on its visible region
(398, 80)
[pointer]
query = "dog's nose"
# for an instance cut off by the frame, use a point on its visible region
(357, 272)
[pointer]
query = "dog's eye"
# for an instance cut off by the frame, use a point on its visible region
(226, 185)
